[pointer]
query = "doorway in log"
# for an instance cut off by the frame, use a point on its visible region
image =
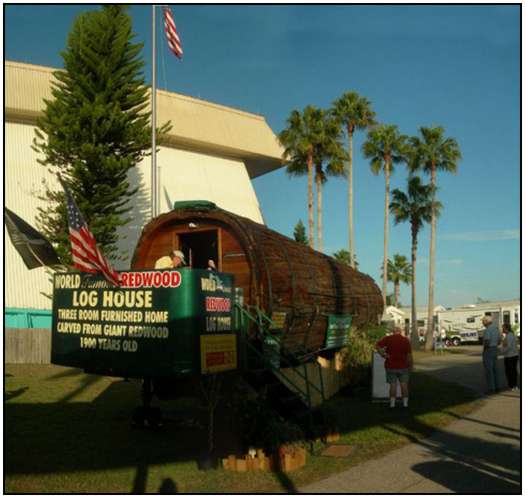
(199, 247)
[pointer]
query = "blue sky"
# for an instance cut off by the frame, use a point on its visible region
(454, 66)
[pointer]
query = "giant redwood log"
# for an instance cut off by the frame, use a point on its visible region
(276, 273)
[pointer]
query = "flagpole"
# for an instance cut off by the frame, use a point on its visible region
(153, 117)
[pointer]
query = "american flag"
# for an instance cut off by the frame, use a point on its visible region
(84, 251)
(171, 33)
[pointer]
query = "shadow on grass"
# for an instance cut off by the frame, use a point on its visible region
(14, 394)
(168, 487)
(482, 422)
(71, 436)
(87, 381)
(286, 482)
(141, 477)
(66, 373)
(428, 396)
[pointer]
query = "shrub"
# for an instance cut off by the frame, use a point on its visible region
(261, 425)
(357, 356)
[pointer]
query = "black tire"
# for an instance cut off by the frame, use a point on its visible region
(456, 341)
(138, 416)
(153, 418)
(147, 417)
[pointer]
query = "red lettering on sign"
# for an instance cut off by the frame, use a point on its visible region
(135, 280)
(213, 359)
(124, 279)
(147, 278)
(218, 304)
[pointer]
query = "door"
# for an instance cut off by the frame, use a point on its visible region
(200, 247)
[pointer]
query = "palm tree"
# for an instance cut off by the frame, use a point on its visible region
(416, 206)
(353, 112)
(298, 140)
(385, 147)
(432, 153)
(329, 158)
(399, 270)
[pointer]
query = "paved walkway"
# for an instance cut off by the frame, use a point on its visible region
(478, 453)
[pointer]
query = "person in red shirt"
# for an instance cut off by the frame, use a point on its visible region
(397, 352)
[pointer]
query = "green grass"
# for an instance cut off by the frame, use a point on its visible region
(67, 432)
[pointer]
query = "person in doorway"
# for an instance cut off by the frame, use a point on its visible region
(397, 352)
(211, 265)
(177, 259)
(491, 340)
(163, 263)
(510, 356)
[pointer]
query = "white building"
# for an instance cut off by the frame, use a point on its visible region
(212, 153)
(393, 316)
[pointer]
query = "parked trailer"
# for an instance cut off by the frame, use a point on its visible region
(469, 319)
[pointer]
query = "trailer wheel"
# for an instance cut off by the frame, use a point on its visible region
(147, 417)
(153, 418)
(138, 416)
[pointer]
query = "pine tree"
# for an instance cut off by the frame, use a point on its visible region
(299, 233)
(343, 256)
(95, 129)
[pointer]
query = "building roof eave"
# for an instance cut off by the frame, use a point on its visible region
(198, 125)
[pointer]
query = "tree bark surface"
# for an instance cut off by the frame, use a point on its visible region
(431, 270)
(385, 241)
(310, 200)
(351, 246)
(319, 186)
(415, 338)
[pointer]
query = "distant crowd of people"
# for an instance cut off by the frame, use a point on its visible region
(509, 349)
(397, 351)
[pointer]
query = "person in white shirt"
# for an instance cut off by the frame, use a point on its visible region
(510, 353)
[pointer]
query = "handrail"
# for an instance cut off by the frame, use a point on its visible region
(262, 315)
(258, 319)
(276, 371)
(266, 334)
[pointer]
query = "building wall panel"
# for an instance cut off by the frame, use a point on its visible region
(23, 182)
(183, 175)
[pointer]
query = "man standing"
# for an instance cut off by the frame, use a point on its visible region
(491, 340)
(397, 352)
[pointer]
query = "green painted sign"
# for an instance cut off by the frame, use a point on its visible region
(154, 325)
(338, 333)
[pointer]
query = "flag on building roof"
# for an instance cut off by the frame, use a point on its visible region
(86, 255)
(171, 33)
(32, 246)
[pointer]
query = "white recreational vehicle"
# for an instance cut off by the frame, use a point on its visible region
(465, 320)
